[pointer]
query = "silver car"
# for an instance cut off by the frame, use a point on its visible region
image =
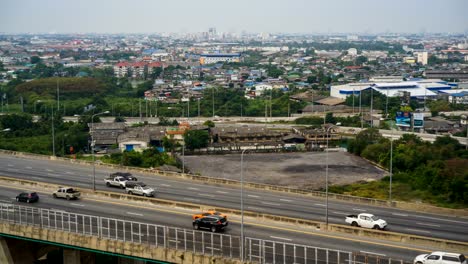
(141, 189)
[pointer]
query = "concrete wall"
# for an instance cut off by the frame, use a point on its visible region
(391, 236)
(112, 246)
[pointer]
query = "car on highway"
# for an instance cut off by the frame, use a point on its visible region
(126, 175)
(208, 213)
(66, 193)
(439, 257)
(28, 197)
(117, 181)
(140, 188)
(213, 223)
(366, 220)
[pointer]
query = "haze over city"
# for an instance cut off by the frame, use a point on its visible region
(295, 16)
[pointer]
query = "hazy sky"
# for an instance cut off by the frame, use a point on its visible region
(292, 16)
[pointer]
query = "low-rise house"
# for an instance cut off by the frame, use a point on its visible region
(105, 135)
(140, 138)
(236, 138)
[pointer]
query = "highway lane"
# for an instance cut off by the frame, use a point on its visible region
(59, 172)
(182, 219)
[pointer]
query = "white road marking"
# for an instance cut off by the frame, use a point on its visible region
(53, 175)
(285, 200)
(81, 184)
(165, 185)
(275, 204)
(49, 170)
(441, 219)
(29, 168)
(319, 204)
(417, 230)
(428, 224)
(6, 201)
(253, 208)
(191, 199)
(35, 177)
(131, 213)
(359, 209)
(281, 238)
(69, 172)
(10, 165)
(206, 195)
(221, 192)
(12, 169)
(340, 213)
(191, 188)
(75, 204)
(253, 196)
(213, 248)
(399, 214)
(373, 253)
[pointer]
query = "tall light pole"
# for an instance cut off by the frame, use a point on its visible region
(92, 149)
(53, 133)
(242, 206)
(391, 168)
(212, 97)
(326, 176)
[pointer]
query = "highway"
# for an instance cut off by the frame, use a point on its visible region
(410, 222)
(182, 219)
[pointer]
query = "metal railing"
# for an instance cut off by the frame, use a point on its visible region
(205, 243)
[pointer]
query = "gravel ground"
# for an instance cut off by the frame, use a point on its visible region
(300, 170)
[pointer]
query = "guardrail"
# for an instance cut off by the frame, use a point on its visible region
(346, 198)
(444, 244)
(205, 243)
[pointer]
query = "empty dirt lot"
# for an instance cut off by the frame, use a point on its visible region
(301, 170)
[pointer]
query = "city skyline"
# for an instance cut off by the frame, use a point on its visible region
(276, 16)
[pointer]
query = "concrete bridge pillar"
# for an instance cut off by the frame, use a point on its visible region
(5, 254)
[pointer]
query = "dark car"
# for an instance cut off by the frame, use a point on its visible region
(28, 197)
(127, 175)
(213, 223)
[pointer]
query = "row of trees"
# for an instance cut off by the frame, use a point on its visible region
(435, 172)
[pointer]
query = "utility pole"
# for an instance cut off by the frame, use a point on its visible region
(371, 107)
(53, 134)
(212, 96)
(360, 110)
(58, 95)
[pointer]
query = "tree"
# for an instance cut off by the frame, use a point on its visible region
(209, 123)
(196, 139)
(35, 59)
(329, 118)
(361, 60)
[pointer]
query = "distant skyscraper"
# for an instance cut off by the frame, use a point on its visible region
(212, 32)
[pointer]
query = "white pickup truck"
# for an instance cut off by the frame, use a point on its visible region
(118, 181)
(367, 221)
(140, 188)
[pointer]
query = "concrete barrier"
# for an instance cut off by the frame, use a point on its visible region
(419, 207)
(345, 229)
(114, 246)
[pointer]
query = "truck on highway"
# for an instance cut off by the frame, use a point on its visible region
(367, 221)
(66, 193)
(127, 175)
(139, 188)
(117, 181)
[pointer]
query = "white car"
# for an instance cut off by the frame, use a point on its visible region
(439, 257)
(367, 221)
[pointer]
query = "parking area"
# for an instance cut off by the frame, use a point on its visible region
(301, 170)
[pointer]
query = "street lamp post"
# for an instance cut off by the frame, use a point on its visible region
(326, 176)
(92, 147)
(391, 168)
(242, 206)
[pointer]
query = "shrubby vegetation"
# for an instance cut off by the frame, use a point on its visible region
(432, 172)
(149, 158)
